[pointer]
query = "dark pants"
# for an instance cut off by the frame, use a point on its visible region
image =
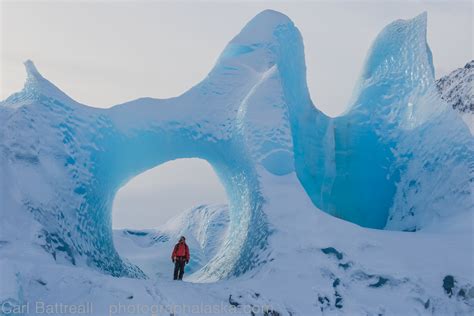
(179, 264)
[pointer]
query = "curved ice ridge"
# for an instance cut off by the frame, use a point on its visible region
(399, 158)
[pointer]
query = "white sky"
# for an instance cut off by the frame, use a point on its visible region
(158, 194)
(108, 52)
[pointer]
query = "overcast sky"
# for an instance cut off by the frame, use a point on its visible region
(108, 52)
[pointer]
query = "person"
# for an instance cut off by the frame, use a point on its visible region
(180, 257)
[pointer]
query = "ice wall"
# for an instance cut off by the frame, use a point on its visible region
(361, 166)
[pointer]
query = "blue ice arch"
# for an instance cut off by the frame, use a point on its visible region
(399, 158)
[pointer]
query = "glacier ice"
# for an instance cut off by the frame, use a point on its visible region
(361, 166)
(399, 158)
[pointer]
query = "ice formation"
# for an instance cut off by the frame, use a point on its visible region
(399, 158)
(386, 162)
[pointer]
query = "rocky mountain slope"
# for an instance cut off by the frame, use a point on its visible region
(456, 88)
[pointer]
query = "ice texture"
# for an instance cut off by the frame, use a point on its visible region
(386, 162)
(399, 158)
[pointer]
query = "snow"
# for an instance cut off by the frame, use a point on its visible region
(205, 228)
(306, 191)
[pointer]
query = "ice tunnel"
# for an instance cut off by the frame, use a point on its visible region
(376, 165)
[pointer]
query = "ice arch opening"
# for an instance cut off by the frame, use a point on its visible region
(97, 151)
(164, 192)
(138, 138)
(180, 197)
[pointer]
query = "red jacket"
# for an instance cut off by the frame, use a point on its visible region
(180, 250)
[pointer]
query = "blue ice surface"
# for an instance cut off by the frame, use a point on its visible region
(253, 110)
(347, 164)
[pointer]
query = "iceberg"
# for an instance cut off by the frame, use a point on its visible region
(387, 162)
(398, 159)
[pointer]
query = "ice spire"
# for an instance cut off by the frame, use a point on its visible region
(36, 85)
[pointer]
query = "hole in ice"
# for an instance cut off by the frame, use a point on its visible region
(180, 197)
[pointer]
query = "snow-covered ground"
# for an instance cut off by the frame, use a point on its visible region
(205, 228)
(318, 265)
